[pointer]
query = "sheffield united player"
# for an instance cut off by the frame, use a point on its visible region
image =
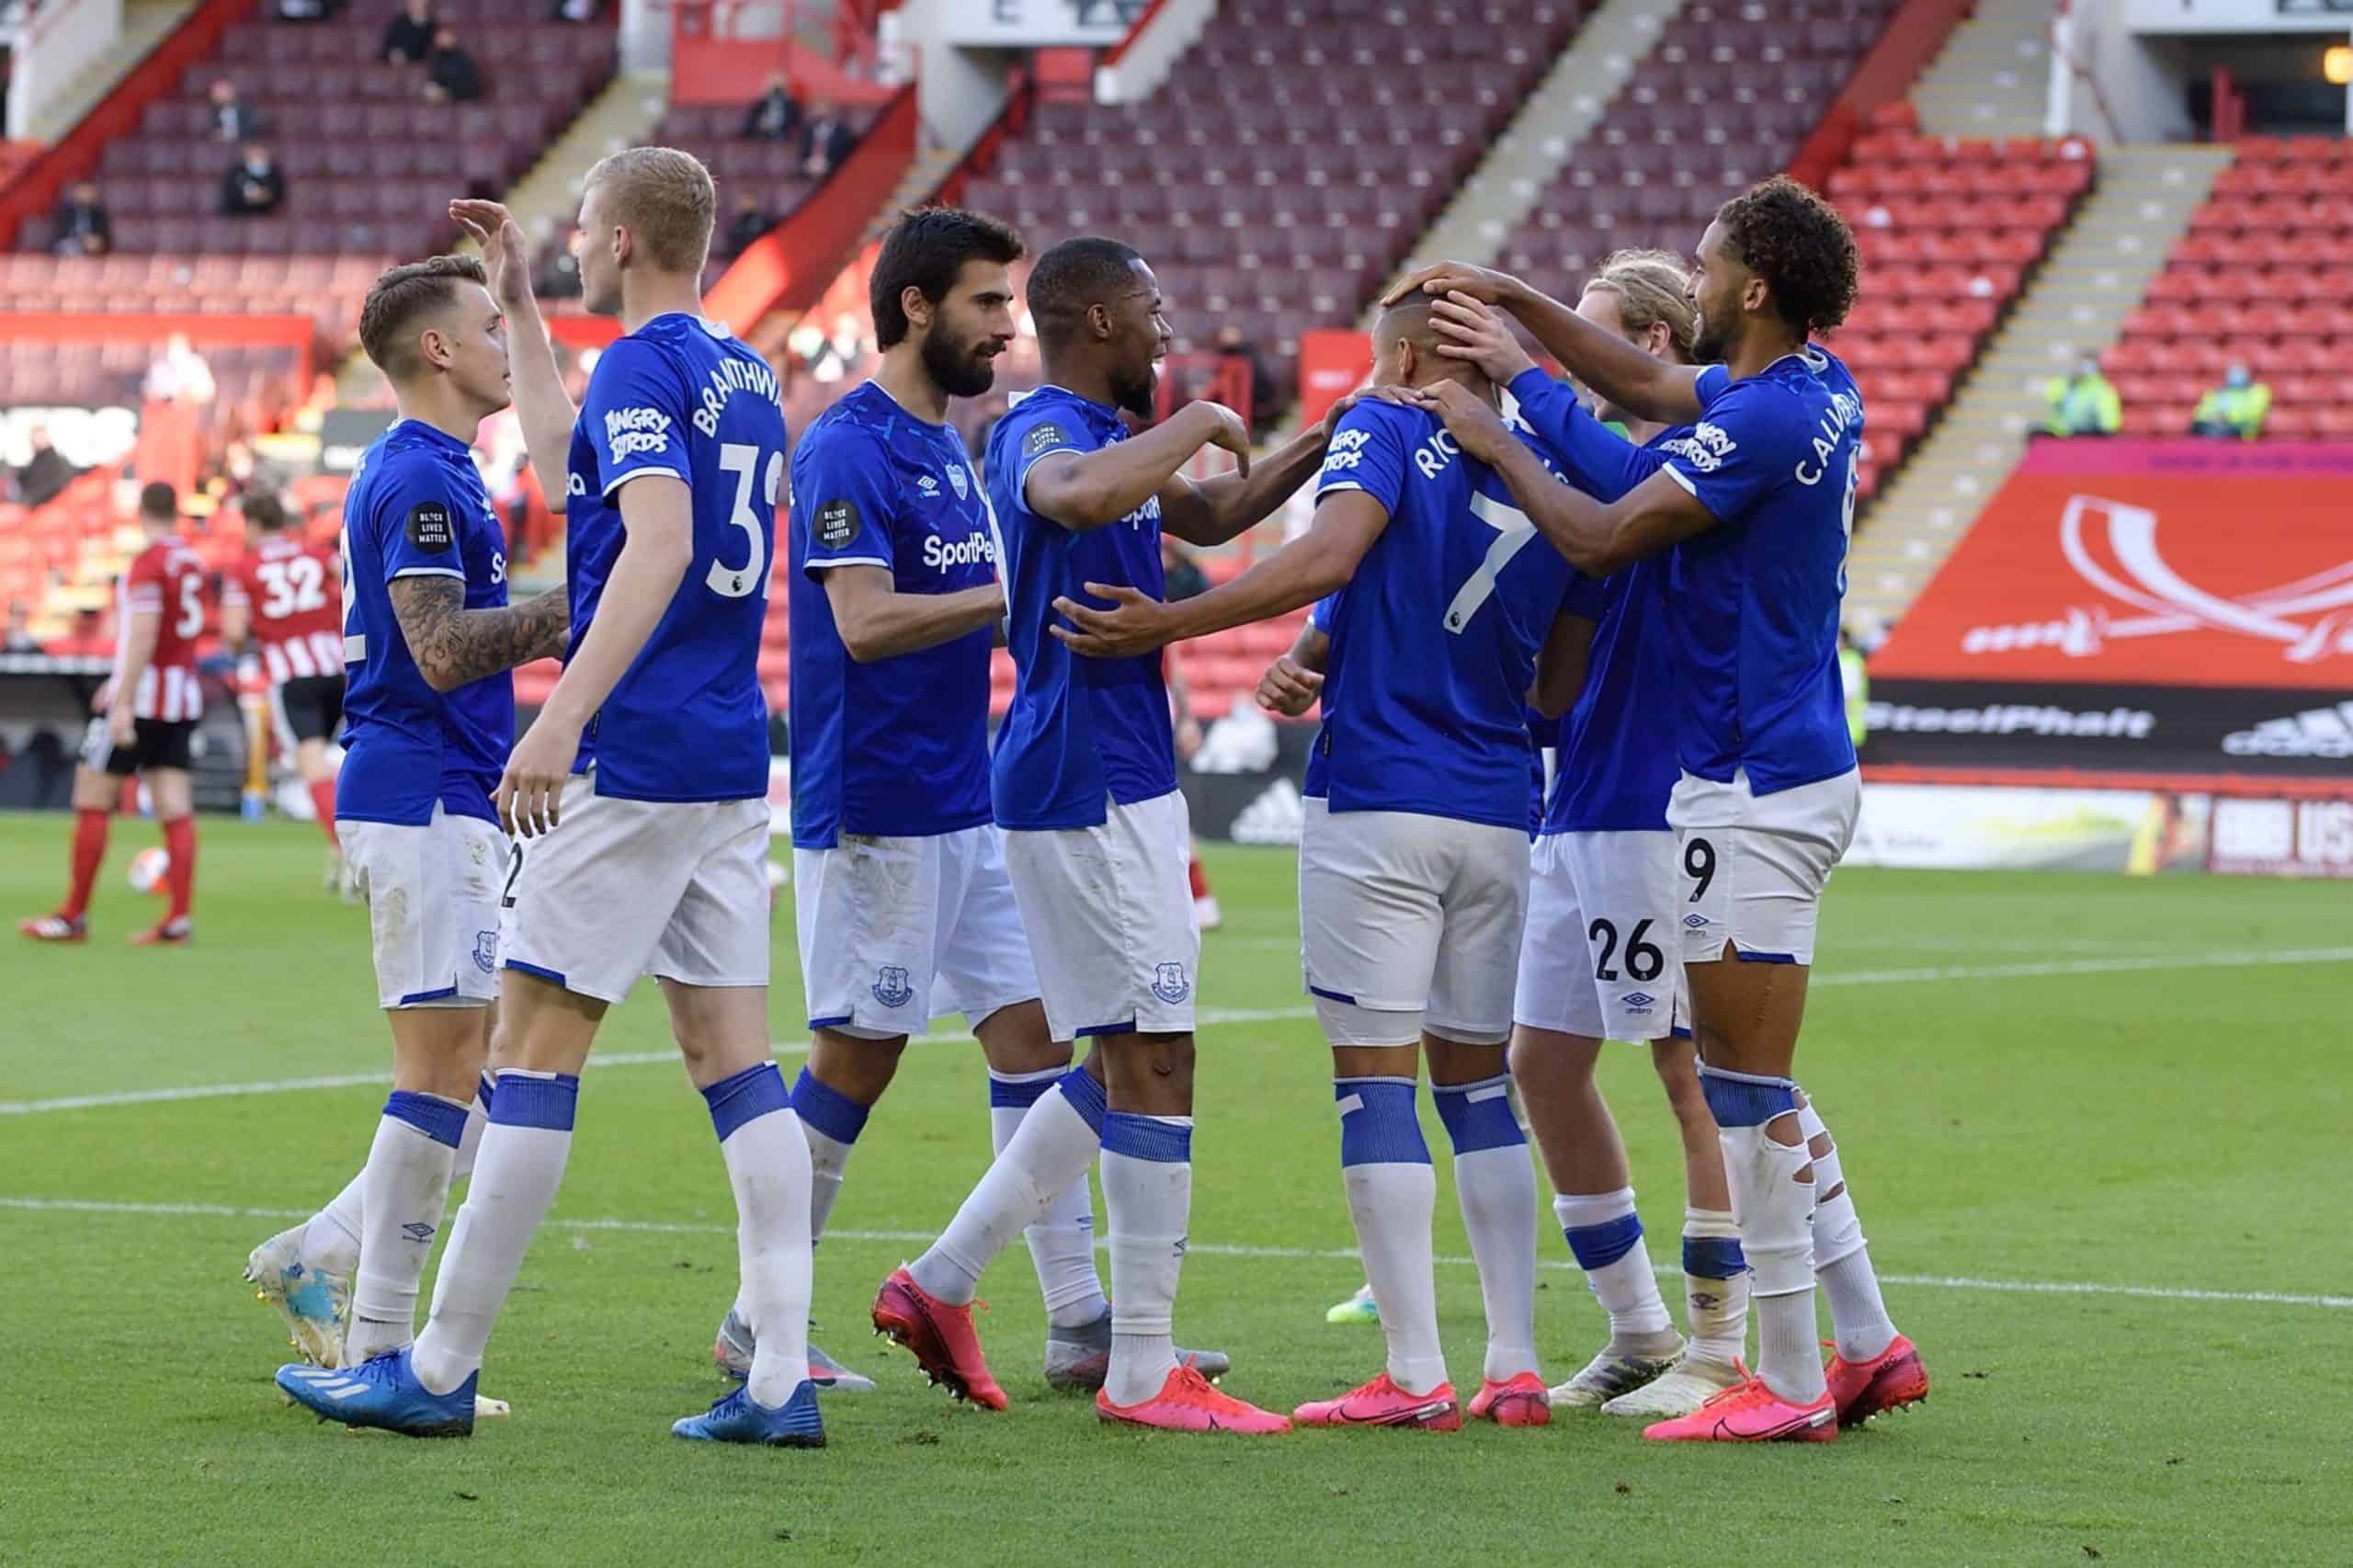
(147, 715)
(282, 595)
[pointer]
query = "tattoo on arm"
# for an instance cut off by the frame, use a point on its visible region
(453, 646)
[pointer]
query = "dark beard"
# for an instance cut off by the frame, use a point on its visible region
(1708, 348)
(1136, 397)
(954, 370)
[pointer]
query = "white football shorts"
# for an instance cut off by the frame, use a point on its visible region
(674, 889)
(894, 931)
(1410, 922)
(1109, 914)
(1603, 956)
(432, 895)
(1752, 867)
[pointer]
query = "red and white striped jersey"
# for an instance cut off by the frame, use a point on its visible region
(167, 580)
(297, 610)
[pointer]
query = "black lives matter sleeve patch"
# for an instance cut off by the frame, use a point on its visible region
(836, 523)
(1043, 438)
(431, 528)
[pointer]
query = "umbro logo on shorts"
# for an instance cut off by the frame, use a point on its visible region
(1639, 1002)
(1695, 921)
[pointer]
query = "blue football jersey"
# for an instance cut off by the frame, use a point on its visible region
(681, 396)
(1434, 641)
(899, 746)
(1617, 762)
(416, 508)
(1755, 601)
(1081, 732)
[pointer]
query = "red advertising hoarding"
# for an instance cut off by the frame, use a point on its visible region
(2138, 605)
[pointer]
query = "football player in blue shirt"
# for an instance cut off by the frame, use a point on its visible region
(641, 791)
(429, 639)
(1755, 503)
(1412, 882)
(1084, 785)
(1600, 961)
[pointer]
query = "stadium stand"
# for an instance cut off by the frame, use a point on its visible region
(1725, 98)
(368, 164)
(2264, 278)
(1286, 163)
(1950, 228)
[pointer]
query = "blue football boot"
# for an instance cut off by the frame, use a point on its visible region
(383, 1392)
(795, 1423)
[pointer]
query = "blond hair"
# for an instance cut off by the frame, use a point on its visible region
(1650, 288)
(663, 197)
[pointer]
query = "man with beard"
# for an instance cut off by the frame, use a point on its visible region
(899, 885)
(1084, 781)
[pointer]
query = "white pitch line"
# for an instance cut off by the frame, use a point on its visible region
(1213, 1018)
(1213, 1249)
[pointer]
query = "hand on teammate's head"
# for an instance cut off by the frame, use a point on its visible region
(504, 252)
(1440, 278)
(1228, 431)
(1473, 333)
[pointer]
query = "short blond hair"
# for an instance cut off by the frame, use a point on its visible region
(1649, 287)
(665, 199)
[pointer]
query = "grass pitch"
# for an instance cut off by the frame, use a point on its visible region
(2094, 1126)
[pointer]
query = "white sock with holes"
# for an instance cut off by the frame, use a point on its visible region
(1842, 1259)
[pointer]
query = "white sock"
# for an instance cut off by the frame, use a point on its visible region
(1062, 1245)
(516, 1177)
(828, 1160)
(1393, 1194)
(1776, 1212)
(1054, 1145)
(331, 1240)
(1148, 1200)
(406, 1183)
(768, 1166)
(1605, 1236)
(1842, 1259)
(831, 1122)
(1715, 1286)
(1495, 1184)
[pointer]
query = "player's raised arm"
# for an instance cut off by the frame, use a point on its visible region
(541, 401)
(454, 646)
(1645, 387)
(1212, 511)
(1083, 491)
(1318, 562)
(1596, 538)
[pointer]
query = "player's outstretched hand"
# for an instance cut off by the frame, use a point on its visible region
(1134, 625)
(532, 787)
(1441, 278)
(1470, 419)
(504, 252)
(1289, 689)
(1468, 330)
(1228, 431)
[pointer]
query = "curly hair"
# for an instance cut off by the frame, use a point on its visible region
(1798, 244)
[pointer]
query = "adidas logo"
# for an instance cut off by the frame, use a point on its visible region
(2317, 731)
(1275, 817)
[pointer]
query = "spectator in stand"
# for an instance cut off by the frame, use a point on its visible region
(83, 226)
(46, 471)
(450, 75)
(2237, 408)
(18, 637)
(774, 115)
(826, 139)
(559, 274)
(1233, 344)
(233, 120)
(254, 187)
(2084, 403)
(307, 10)
(408, 37)
(179, 376)
(744, 230)
(574, 10)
